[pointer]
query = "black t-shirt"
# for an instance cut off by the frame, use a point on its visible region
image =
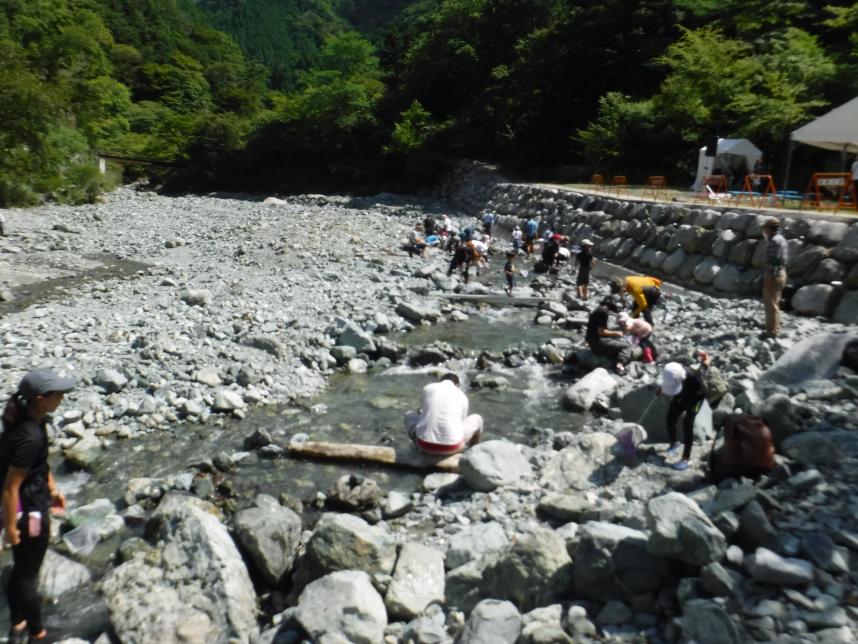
(693, 390)
(598, 319)
(25, 446)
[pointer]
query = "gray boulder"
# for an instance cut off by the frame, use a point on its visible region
(706, 622)
(347, 542)
(270, 534)
(812, 448)
(534, 571)
(707, 270)
(679, 529)
(598, 384)
(492, 464)
(614, 562)
(416, 313)
(827, 233)
(59, 575)
(814, 299)
(728, 278)
(474, 542)
(197, 589)
(418, 580)
(847, 248)
(814, 358)
(110, 380)
(588, 462)
(353, 336)
(768, 567)
(342, 607)
(847, 309)
(781, 417)
(492, 622)
(674, 261)
(642, 406)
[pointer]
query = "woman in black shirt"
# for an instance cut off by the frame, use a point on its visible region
(29, 491)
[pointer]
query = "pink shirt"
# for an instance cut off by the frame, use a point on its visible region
(639, 328)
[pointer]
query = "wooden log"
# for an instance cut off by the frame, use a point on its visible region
(497, 300)
(404, 457)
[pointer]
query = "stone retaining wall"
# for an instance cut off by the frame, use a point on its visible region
(704, 247)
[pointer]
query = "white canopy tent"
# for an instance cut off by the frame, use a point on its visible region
(734, 157)
(837, 130)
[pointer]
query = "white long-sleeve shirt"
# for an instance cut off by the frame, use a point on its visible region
(444, 409)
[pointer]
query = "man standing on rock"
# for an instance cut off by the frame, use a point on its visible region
(530, 229)
(774, 276)
(688, 392)
(443, 426)
(645, 291)
(605, 342)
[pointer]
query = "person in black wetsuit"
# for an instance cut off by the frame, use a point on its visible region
(585, 263)
(605, 342)
(688, 392)
(29, 492)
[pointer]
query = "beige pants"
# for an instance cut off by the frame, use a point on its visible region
(773, 286)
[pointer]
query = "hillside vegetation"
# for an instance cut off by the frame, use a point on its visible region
(270, 95)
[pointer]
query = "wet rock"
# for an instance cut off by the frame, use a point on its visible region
(196, 586)
(59, 575)
(474, 542)
(396, 504)
(355, 337)
(613, 562)
(270, 534)
(706, 622)
(680, 530)
(352, 492)
(534, 571)
(85, 453)
(595, 385)
(92, 524)
(342, 607)
(492, 622)
(226, 400)
(493, 464)
(418, 580)
(768, 567)
(416, 313)
(490, 381)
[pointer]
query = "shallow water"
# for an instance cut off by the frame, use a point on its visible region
(366, 409)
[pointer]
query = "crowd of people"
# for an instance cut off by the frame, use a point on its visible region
(615, 330)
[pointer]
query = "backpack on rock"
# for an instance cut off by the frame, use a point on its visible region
(747, 449)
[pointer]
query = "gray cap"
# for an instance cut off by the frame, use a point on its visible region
(42, 381)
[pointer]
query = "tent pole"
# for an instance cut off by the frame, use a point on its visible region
(785, 182)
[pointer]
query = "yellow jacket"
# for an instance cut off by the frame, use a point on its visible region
(635, 285)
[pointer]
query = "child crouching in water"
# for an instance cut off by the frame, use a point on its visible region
(509, 271)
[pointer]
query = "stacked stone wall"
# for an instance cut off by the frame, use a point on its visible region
(715, 249)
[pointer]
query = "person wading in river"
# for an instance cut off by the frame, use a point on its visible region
(29, 493)
(443, 425)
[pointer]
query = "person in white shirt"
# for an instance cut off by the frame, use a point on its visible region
(443, 425)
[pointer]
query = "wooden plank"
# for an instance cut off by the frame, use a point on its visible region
(498, 300)
(404, 457)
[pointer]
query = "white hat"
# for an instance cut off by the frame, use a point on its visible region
(586, 242)
(672, 378)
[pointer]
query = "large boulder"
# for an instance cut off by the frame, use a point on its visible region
(679, 529)
(534, 571)
(781, 417)
(813, 448)
(342, 607)
(418, 580)
(588, 462)
(706, 622)
(767, 567)
(416, 313)
(847, 248)
(847, 309)
(353, 336)
(492, 622)
(728, 278)
(707, 270)
(492, 464)
(270, 534)
(814, 299)
(347, 542)
(196, 588)
(827, 233)
(613, 562)
(59, 575)
(585, 392)
(814, 358)
(642, 406)
(674, 261)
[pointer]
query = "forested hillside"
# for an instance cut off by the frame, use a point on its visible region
(288, 95)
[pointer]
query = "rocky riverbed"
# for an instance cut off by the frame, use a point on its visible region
(199, 312)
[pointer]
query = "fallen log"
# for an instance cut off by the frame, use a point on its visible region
(404, 457)
(497, 300)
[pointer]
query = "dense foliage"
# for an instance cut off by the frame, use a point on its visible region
(283, 95)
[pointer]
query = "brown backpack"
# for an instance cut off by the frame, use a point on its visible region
(748, 449)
